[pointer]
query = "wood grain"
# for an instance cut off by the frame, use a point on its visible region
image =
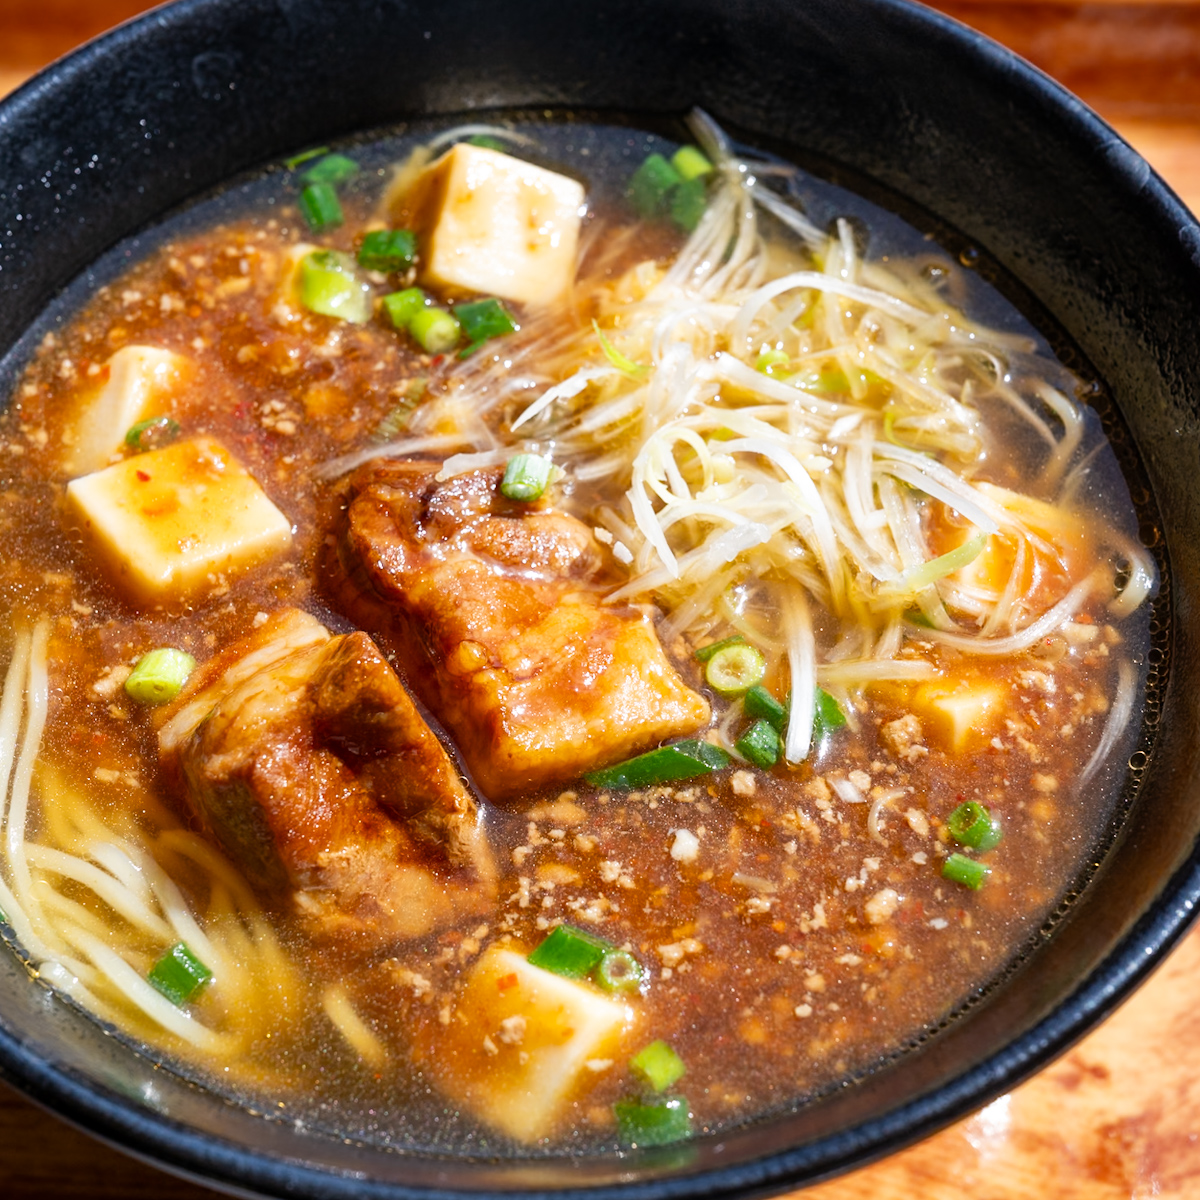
(1119, 1117)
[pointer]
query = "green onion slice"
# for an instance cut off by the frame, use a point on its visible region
(483, 319)
(526, 477)
(653, 1124)
(570, 952)
(929, 572)
(681, 760)
(971, 824)
(434, 329)
(958, 868)
(333, 169)
(152, 433)
(769, 360)
(388, 250)
(304, 156)
(733, 670)
(487, 142)
(827, 715)
(159, 676)
(706, 652)
(403, 306)
(320, 207)
(179, 974)
(760, 744)
(688, 202)
(690, 163)
(758, 702)
(329, 284)
(621, 361)
(651, 184)
(619, 971)
(658, 1065)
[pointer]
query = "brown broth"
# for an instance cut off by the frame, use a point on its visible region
(766, 971)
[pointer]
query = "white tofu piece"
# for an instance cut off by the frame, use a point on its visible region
(142, 382)
(519, 1041)
(496, 225)
(164, 522)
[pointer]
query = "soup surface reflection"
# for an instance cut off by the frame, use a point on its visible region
(540, 636)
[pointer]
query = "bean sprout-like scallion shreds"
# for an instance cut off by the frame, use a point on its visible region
(1119, 715)
(565, 390)
(802, 663)
(436, 444)
(847, 792)
(1046, 624)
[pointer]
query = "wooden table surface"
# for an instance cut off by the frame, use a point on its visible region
(1119, 1117)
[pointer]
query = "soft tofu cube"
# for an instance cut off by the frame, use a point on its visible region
(519, 1043)
(138, 382)
(496, 225)
(960, 716)
(163, 522)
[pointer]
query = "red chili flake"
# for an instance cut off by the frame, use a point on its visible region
(143, 476)
(507, 981)
(438, 359)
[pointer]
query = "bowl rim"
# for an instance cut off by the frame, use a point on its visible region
(217, 1162)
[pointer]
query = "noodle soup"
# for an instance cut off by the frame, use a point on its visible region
(545, 636)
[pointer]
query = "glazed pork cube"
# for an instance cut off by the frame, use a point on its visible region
(167, 523)
(137, 382)
(520, 1041)
(494, 609)
(304, 757)
(497, 225)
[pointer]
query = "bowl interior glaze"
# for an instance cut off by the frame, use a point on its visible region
(173, 103)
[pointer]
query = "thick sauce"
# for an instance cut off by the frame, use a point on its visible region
(792, 935)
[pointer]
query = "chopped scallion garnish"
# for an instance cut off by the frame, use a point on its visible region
(152, 434)
(933, 570)
(619, 971)
(690, 163)
(827, 715)
(179, 974)
(481, 320)
(760, 744)
(651, 184)
(770, 361)
(159, 676)
(526, 477)
(621, 361)
(706, 652)
(733, 670)
(388, 250)
(403, 306)
(571, 952)
(688, 202)
(758, 702)
(656, 1123)
(487, 142)
(329, 284)
(333, 169)
(304, 156)
(658, 1065)
(971, 824)
(681, 760)
(320, 207)
(958, 868)
(434, 329)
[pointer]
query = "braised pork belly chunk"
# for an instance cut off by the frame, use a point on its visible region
(303, 755)
(494, 610)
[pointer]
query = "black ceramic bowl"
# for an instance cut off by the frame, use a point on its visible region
(171, 104)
